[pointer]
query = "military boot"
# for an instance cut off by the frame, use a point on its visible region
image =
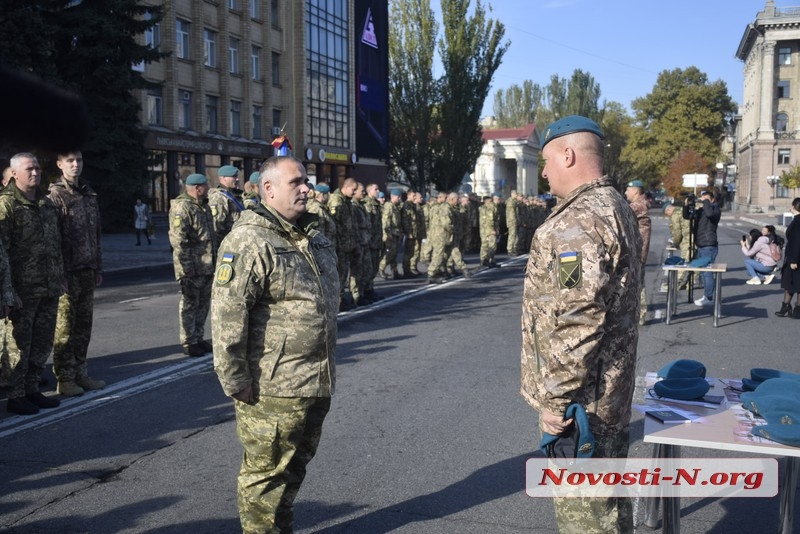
(69, 389)
(89, 384)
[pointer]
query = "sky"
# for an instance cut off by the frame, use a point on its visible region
(623, 44)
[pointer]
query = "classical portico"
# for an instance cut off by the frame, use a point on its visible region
(509, 160)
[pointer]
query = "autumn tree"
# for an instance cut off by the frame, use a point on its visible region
(687, 161)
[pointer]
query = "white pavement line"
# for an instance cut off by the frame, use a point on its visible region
(96, 399)
(133, 300)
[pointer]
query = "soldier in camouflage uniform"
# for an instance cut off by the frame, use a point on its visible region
(442, 235)
(250, 196)
(461, 227)
(427, 211)
(512, 221)
(359, 261)
(409, 221)
(81, 250)
(318, 205)
(489, 227)
(273, 314)
(341, 210)
(29, 232)
(579, 311)
(225, 201)
(421, 233)
(392, 233)
(634, 192)
(373, 208)
(194, 244)
(680, 231)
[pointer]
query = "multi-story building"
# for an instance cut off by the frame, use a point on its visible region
(240, 72)
(767, 141)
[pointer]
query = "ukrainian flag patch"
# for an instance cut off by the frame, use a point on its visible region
(225, 268)
(570, 272)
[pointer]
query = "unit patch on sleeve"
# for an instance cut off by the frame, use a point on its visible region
(570, 271)
(225, 269)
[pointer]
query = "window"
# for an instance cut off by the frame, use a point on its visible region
(185, 110)
(236, 118)
(784, 155)
(211, 114)
(276, 118)
(231, 4)
(784, 56)
(258, 118)
(273, 13)
(210, 39)
(254, 11)
(781, 191)
(276, 68)
(182, 39)
(783, 89)
(155, 114)
(781, 122)
(255, 62)
(152, 35)
(233, 55)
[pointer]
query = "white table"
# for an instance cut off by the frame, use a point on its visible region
(672, 286)
(716, 433)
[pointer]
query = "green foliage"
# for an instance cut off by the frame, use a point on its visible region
(791, 178)
(517, 106)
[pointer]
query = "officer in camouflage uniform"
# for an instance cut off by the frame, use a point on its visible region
(461, 227)
(489, 223)
(634, 192)
(512, 221)
(373, 208)
(317, 204)
(273, 315)
(194, 252)
(250, 196)
(442, 235)
(29, 232)
(421, 233)
(392, 233)
(341, 210)
(427, 210)
(579, 311)
(81, 250)
(409, 221)
(680, 231)
(359, 261)
(225, 201)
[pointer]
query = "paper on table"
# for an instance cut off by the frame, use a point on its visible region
(695, 418)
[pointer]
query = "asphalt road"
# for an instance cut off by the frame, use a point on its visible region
(427, 433)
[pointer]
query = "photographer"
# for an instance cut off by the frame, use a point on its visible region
(706, 218)
(759, 262)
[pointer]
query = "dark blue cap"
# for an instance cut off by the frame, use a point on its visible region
(683, 369)
(682, 388)
(568, 125)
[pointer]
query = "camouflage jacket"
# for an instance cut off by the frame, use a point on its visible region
(373, 208)
(342, 213)
(361, 225)
(30, 234)
(6, 289)
(639, 208)
(489, 221)
(512, 212)
(226, 205)
(390, 219)
(79, 214)
(444, 220)
(419, 213)
(273, 308)
(680, 230)
(580, 308)
(325, 223)
(192, 236)
(408, 220)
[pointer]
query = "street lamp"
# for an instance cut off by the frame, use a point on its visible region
(773, 182)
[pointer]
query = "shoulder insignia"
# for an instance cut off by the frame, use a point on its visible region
(224, 273)
(570, 270)
(333, 210)
(176, 221)
(214, 210)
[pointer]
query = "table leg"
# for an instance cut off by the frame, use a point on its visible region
(669, 294)
(717, 297)
(787, 493)
(671, 522)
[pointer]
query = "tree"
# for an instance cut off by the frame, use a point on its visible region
(684, 111)
(412, 90)
(517, 106)
(686, 162)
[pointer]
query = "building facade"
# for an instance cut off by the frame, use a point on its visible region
(241, 72)
(509, 161)
(768, 129)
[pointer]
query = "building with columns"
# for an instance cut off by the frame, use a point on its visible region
(509, 161)
(767, 141)
(242, 71)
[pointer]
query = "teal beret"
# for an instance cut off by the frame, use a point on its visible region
(777, 400)
(761, 375)
(380, 194)
(682, 388)
(497, 194)
(396, 192)
(683, 369)
(785, 434)
(228, 170)
(196, 179)
(569, 125)
(577, 442)
(254, 177)
(636, 183)
(322, 188)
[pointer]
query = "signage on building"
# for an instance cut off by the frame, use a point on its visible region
(368, 36)
(182, 143)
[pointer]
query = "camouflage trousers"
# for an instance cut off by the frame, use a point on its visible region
(279, 436)
(29, 340)
(375, 255)
(193, 308)
(411, 253)
(582, 515)
(343, 266)
(357, 271)
(513, 241)
(426, 251)
(390, 257)
(74, 326)
(456, 259)
(439, 258)
(488, 248)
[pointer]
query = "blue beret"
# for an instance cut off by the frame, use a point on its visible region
(683, 369)
(497, 194)
(322, 188)
(777, 401)
(636, 183)
(254, 177)
(682, 388)
(673, 260)
(786, 434)
(196, 179)
(758, 374)
(380, 194)
(568, 125)
(228, 170)
(577, 442)
(702, 261)
(396, 192)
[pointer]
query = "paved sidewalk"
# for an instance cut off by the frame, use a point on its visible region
(120, 252)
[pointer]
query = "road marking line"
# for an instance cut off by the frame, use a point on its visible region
(133, 300)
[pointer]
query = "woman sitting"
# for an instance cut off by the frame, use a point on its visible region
(759, 263)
